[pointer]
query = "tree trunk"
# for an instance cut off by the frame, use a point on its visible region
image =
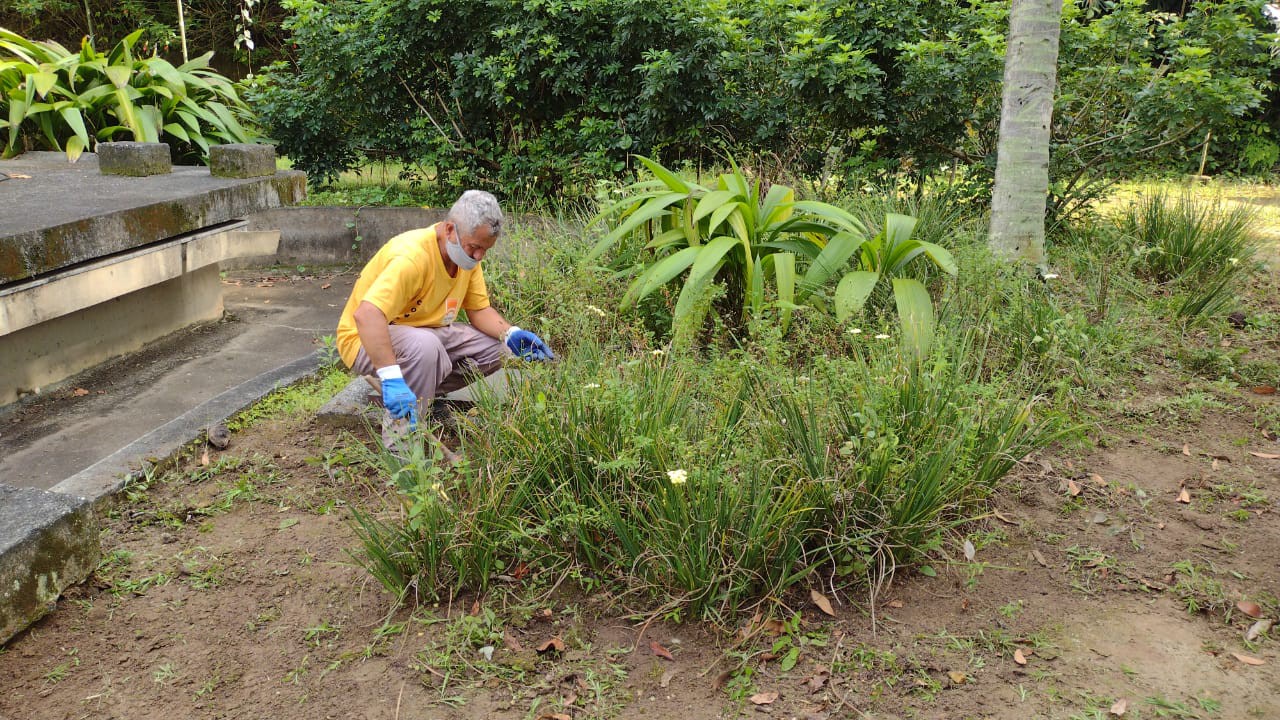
(1022, 160)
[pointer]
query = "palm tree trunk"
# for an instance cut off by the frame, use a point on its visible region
(1022, 160)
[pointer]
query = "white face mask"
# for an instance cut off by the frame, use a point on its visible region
(458, 255)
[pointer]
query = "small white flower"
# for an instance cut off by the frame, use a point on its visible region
(855, 331)
(802, 379)
(677, 477)
(591, 386)
(1233, 261)
(657, 352)
(596, 310)
(882, 336)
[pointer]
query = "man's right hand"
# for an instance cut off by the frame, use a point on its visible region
(400, 400)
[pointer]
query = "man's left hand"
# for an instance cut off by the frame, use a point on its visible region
(527, 345)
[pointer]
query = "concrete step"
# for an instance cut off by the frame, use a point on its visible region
(48, 542)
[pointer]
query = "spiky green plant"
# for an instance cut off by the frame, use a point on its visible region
(67, 101)
(766, 247)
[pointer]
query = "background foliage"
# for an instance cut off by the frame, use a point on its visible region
(545, 95)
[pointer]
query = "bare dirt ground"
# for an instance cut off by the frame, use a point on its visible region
(227, 592)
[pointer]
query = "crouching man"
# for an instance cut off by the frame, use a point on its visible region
(399, 323)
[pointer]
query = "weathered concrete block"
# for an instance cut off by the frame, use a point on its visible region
(351, 409)
(242, 160)
(135, 159)
(48, 542)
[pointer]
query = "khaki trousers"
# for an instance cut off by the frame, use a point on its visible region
(437, 361)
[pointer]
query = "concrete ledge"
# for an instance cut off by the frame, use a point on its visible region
(242, 160)
(77, 215)
(134, 159)
(351, 409)
(48, 542)
(105, 477)
(49, 352)
(32, 302)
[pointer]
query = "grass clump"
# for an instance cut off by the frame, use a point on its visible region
(1200, 249)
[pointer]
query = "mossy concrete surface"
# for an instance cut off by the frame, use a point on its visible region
(134, 159)
(59, 214)
(48, 542)
(242, 160)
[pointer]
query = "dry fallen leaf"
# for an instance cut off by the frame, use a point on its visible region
(204, 458)
(1215, 463)
(1119, 706)
(555, 716)
(1097, 480)
(818, 680)
(511, 642)
(822, 602)
(554, 644)
(1249, 659)
(764, 698)
(666, 677)
(1265, 390)
(1019, 658)
(1265, 456)
(1004, 518)
(1186, 449)
(895, 603)
(957, 677)
(1184, 496)
(1073, 488)
(326, 286)
(19, 176)
(970, 552)
(1249, 608)
(1039, 558)
(660, 651)
(79, 392)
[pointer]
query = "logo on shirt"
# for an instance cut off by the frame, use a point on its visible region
(450, 310)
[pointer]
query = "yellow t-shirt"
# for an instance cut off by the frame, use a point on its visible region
(408, 282)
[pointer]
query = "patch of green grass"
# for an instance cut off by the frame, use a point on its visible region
(164, 674)
(295, 400)
(60, 671)
(1198, 589)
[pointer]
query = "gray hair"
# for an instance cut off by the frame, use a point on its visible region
(473, 209)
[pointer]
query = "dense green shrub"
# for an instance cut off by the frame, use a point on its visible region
(542, 95)
(546, 94)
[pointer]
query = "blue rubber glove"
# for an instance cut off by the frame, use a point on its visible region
(400, 401)
(528, 345)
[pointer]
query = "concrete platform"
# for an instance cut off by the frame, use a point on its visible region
(58, 214)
